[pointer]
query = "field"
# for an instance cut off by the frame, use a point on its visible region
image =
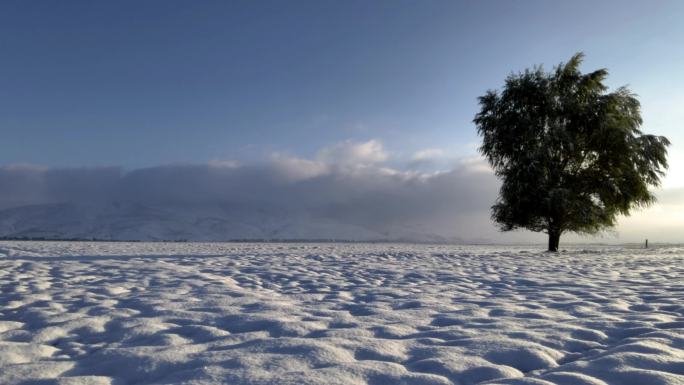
(222, 313)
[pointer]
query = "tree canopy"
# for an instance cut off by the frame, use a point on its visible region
(570, 154)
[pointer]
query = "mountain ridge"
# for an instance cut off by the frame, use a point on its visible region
(129, 221)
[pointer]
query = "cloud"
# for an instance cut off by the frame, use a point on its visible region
(291, 168)
(428, 154)
(475, 164)
(22, 185)
(350, 153)
(221, 163)
(347, 185)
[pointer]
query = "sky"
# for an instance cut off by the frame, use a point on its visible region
(316, 88)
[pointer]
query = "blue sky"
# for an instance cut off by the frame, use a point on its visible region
(137, 84)
(380, 94)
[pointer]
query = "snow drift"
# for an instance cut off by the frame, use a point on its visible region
(202, 313)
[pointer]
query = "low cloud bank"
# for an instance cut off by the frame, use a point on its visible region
(348, 183)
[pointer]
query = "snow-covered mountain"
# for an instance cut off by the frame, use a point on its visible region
(133, 221)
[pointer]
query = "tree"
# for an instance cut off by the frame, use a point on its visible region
(570, 154)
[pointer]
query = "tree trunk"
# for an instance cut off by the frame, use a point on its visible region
(554, 240)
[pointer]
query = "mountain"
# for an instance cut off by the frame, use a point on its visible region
(134, 221)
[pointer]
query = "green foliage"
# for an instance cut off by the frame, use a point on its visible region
(570, 154)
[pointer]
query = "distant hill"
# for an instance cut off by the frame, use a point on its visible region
(132, 221)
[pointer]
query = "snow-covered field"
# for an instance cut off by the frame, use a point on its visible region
(202, 313)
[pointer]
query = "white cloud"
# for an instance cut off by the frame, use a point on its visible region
(427, 154)
(224, 163)
(295, 169)
(475, 164)
(367, 195)
(351, 153)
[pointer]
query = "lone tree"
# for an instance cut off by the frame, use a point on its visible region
(570, 154)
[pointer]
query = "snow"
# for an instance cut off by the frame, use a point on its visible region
(225, 313)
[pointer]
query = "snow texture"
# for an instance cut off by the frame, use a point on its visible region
(203, 313)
